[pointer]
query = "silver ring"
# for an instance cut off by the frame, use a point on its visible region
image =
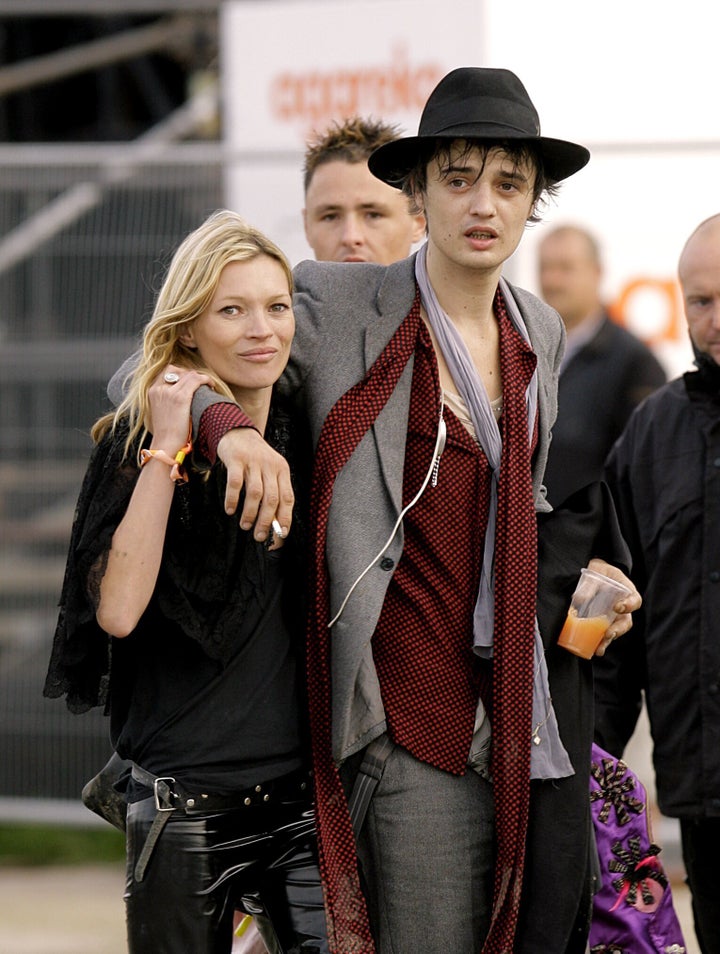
(171, 377)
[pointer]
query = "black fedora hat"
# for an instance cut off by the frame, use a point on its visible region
(484, 104)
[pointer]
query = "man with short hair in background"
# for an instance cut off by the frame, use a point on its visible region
(349, 214)
(606, 371)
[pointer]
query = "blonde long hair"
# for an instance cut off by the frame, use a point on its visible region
(190, 283)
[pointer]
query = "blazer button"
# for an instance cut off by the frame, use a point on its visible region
(387, 563)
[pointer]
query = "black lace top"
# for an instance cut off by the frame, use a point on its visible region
(213, 660)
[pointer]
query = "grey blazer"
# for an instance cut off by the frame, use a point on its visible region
(346, 315)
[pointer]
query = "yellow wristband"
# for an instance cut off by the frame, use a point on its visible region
(177, 471)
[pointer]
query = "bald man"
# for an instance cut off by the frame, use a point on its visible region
(606, 370)
(664, 473)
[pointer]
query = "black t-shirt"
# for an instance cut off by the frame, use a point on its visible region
(214, 727)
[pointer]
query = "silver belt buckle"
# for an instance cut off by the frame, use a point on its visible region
(169, 780)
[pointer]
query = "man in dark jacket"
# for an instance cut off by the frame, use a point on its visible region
(664, 473)
(606, 371)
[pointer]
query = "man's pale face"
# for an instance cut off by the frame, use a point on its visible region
(350, 216)
(476, 207)
(569, 276)
(700, 281)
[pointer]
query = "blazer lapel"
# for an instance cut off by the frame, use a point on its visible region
(394, 302)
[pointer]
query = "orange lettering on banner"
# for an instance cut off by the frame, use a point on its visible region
(313, 99)
(672, 327)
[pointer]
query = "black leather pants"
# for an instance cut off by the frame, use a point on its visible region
(261, 860)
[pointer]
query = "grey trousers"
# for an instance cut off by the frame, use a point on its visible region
(427, 856)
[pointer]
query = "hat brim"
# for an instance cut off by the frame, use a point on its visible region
(395, 159)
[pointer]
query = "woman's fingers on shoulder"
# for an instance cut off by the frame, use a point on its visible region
(199, 378)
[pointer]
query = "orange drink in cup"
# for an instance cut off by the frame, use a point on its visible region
(591, 613)
(582, 634)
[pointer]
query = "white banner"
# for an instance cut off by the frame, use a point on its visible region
(635, 82)
(291, 68)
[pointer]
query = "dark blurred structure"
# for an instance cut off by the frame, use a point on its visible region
(108, 157)
(66, 76)
(116, 102)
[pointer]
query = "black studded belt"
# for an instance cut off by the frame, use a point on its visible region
(170, 795)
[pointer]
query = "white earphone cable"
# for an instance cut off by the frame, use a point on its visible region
(431, 475)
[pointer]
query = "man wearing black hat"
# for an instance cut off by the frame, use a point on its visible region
(435, 697)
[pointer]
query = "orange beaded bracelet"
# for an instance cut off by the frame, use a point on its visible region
(177, 471)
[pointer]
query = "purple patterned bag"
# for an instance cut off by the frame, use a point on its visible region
(633, 911)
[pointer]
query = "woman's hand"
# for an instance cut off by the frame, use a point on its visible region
(170, 396)
(624, 607)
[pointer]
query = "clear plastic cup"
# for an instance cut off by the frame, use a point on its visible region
(591, 612)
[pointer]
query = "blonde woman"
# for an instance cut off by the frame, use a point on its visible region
(185, 626)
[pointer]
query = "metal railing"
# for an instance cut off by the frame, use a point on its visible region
(84, 234)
